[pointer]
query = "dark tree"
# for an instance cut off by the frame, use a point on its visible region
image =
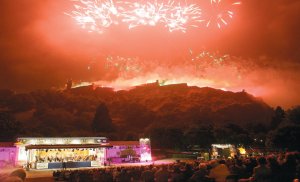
(102, 121)
(201, 135)
(157, 135)
(232, 133)
(166, 137)
(5, 95)
(9, 127)
(294, 115)
(138, 115)
(256, 128)
(174, 138)
(287, 137)
(21, 102)
(279, 115)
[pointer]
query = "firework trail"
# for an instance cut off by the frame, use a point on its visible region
(98, 15)
(220, 13)
(125, 66)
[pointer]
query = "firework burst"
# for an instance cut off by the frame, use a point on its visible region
(206, 59)
(98, 15)
(173, 16)
(94, 15)
(180, 17)
(221, 11)
(137, 14)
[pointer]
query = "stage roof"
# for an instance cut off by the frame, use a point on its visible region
(7, 144)
(123, 143)
(66, 146)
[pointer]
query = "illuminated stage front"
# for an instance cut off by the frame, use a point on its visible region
(223, 151)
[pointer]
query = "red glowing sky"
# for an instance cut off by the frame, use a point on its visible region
(42, 48)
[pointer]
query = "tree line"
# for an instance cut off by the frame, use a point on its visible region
(48, 113)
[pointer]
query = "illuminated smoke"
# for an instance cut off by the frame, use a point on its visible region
(203, 69)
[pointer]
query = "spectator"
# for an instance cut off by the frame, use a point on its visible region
(148, 175)
(275, 169)
(162, 175)
(262, 173)
(250, 164)
(176, 175)
(124, 176)
(201, 174)
(187, 172)
(239, 169)
(289, 168)
(219, 172)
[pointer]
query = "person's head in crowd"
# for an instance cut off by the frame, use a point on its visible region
(154, 169)
(290, 158)
(262, 161)
(213, 163)
(188, 167)
(202, 166)
(164, 167)
(150, 167)
(239, 162)
(123, 170)
(222, 161)
(272, 160)
(176, 169)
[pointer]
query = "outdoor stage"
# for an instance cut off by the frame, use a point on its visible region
(73, 152)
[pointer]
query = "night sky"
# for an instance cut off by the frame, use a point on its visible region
(41, 47)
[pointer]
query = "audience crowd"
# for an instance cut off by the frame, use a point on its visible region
(271, 168)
